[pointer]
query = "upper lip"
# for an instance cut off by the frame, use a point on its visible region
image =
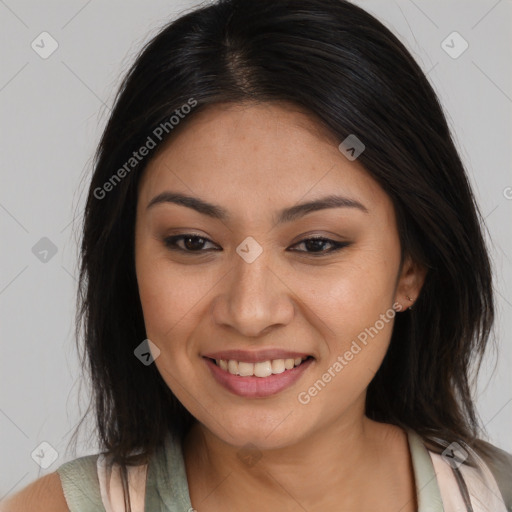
(255, 356)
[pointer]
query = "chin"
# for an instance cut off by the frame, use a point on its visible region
(272, 433)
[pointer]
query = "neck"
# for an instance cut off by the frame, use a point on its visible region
(351, 457)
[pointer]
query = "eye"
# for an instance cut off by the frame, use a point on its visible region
(315, 245)
(191, 243)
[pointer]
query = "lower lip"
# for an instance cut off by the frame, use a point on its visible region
(257, 387)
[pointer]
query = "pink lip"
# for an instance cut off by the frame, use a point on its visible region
(257, 387)
(255, 357)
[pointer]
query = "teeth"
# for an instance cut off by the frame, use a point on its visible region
(263, 369)
(233, 367)
(289, 363)
(260, 369)
(245, 369)
(278, 366)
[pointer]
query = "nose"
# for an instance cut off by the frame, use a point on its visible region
(254, 298)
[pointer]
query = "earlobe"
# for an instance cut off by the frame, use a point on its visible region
(410, 283)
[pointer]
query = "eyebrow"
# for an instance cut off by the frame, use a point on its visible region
(286, 215)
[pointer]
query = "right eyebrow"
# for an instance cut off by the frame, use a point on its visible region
(286, 215)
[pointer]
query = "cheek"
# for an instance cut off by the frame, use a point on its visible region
(354, 303)
(156, 295)
(353, 293)
(170, 306)
(356, 326)
(174, 301)
(165, 296)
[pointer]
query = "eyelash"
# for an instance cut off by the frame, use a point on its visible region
(171, 243)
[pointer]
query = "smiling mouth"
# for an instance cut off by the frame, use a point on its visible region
(260, 369)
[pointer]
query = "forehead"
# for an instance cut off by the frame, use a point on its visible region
(262, 153)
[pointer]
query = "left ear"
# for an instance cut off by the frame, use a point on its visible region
(409, 283)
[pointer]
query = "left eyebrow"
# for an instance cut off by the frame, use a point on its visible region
(323, 203)
(286, 215)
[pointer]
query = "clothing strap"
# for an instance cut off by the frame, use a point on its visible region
(463, 489)
(466, 489)
(167, 486)
(111, 488)
(80, 484)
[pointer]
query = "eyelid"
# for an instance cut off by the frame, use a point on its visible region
(170, 243)
(336, 246)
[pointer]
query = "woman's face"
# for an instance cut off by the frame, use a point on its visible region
(250, 288)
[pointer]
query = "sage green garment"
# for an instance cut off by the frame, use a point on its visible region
(167, 487)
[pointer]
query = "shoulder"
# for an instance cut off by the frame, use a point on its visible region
(482, 470)
(80, 483)
(73, 487)
(499, 459)
(487, 473)
(41, 495)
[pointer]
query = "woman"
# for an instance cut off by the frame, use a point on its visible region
(284, 284)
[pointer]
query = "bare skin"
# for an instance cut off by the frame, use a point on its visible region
(379, 477)
(42, 495)
(253, 161)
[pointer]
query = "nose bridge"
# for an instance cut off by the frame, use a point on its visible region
(251, 280)
(254, 298)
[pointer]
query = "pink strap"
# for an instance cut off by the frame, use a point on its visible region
(482, 488)
(111, 488)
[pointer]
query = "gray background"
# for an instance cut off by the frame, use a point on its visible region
(52, 114)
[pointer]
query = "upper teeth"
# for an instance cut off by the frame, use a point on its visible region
(261, 369)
